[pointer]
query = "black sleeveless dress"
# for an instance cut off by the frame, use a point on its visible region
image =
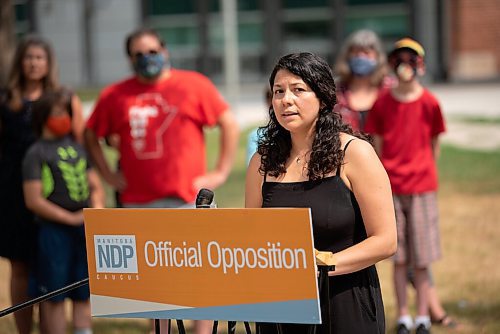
(355, 300)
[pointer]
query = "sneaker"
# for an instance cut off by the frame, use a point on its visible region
(421, 329)
(402, 329)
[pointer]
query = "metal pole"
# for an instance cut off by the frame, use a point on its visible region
(157, 326)
(203, 61)
(43, 298)
(231, 56)
(338, 8)
(273, 38)
(88, 49)
(425, 29)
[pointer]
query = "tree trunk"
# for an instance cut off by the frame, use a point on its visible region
(7, 38)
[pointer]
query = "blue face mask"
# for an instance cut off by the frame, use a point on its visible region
(362, 66)
(150, 65)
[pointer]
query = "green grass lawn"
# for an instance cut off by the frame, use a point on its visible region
(467, 178)
(476, 119)
(469, 187)
(461, 170)
(469, 171)
(231, 194)
(467, 277)
(88, 94)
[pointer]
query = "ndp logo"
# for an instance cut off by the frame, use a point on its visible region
(115, 254)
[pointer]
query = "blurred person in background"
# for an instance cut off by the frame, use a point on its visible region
(361, 67)
(437, 313)
(362, 75)
(33, 72)
(159, 115)
(58, 184)
(406, 122)
(253, 136)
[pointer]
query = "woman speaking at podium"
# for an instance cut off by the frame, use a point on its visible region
(307, 157)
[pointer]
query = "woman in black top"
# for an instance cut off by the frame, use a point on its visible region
(33, 72)
(303, 161)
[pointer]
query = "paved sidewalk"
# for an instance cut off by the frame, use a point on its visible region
(478, 100)
(460, 102)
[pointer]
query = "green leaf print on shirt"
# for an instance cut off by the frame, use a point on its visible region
(47, 181)
(74, 173)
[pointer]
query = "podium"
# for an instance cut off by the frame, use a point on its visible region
(255, 265)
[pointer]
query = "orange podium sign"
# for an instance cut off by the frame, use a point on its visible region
(220, 264)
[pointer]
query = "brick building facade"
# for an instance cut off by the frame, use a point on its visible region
(473, 33)
(461, 37)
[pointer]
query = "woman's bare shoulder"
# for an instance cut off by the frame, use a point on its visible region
(358, 148)
(254, 165)
(346, 138)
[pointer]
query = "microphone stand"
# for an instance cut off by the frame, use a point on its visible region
(44, 297)
(205, 200)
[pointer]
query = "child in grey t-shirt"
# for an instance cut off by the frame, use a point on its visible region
(58, 184)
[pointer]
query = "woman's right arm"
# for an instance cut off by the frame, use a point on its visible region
(365, 175)
(253, 184)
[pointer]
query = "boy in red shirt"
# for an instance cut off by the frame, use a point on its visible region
(405, 123)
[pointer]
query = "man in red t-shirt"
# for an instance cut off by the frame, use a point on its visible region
(159, 115)
(405, 123)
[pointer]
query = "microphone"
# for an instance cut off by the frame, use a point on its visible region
(205, 199)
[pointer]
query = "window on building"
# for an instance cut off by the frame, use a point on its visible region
(171, 7)
(22, 23)
(390, 19)
(373, 2)
(307, 25)
(385, 26)
(248, 5)
(179, 35)
(305, 3)
(306, 30)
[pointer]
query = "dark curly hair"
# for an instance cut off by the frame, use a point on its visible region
(274, 143)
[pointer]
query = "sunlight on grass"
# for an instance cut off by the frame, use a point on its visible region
(469, 171)
(476, 119)
(467, 277)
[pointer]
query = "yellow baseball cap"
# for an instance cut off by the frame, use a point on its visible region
(408, 43)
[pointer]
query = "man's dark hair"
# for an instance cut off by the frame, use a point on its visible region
(139, 33)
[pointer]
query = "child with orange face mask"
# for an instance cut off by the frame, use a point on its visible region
(58, 183)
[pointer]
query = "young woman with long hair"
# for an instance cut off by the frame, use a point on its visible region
(32, 73)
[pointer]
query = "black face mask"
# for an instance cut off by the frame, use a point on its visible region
(149, 65)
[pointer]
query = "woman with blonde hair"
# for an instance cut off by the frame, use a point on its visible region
(361, 67)
(33, 73)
